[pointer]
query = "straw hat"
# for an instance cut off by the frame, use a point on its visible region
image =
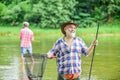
(67, 23)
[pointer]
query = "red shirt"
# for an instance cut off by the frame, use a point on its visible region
(26, 37)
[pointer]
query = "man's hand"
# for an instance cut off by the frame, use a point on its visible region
(50, 56)
(95, 42)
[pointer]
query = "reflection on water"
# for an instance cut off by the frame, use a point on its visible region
(24, 77)
(10, 72)
(106, 62)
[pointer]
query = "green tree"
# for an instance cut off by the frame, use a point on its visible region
(51, 13)
(84, 13)
(3, 11)
(111, 8)
(6, 2)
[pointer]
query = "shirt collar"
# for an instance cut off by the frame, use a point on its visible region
(63, 39)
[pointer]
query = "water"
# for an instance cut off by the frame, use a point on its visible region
(106, 64)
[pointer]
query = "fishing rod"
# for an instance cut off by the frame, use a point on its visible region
(93, 53)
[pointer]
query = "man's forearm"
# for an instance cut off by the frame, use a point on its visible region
(90, 49)
(94, 43)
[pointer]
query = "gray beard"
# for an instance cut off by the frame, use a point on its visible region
(68, 33)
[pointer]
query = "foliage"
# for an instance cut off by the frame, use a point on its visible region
(52, 13)
(111, 8)
(3, 10)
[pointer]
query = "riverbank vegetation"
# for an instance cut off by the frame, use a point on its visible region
(46, 16)
(52, 13)
(108, 29)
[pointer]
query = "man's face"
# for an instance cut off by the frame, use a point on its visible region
(70, 30)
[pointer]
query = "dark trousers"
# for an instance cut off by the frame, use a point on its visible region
(61, 77)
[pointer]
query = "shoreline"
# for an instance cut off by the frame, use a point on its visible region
(41, 34)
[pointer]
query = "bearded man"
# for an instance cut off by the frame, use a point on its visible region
(68, 50)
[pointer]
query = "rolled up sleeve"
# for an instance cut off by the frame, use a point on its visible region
(84, 48)
(54, 50)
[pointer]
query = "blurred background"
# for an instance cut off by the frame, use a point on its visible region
(45, 18)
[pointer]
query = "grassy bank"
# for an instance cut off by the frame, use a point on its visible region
(104, 29)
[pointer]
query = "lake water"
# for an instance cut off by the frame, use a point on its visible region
(106, 64)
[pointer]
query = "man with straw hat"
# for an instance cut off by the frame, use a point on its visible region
(67, 51)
